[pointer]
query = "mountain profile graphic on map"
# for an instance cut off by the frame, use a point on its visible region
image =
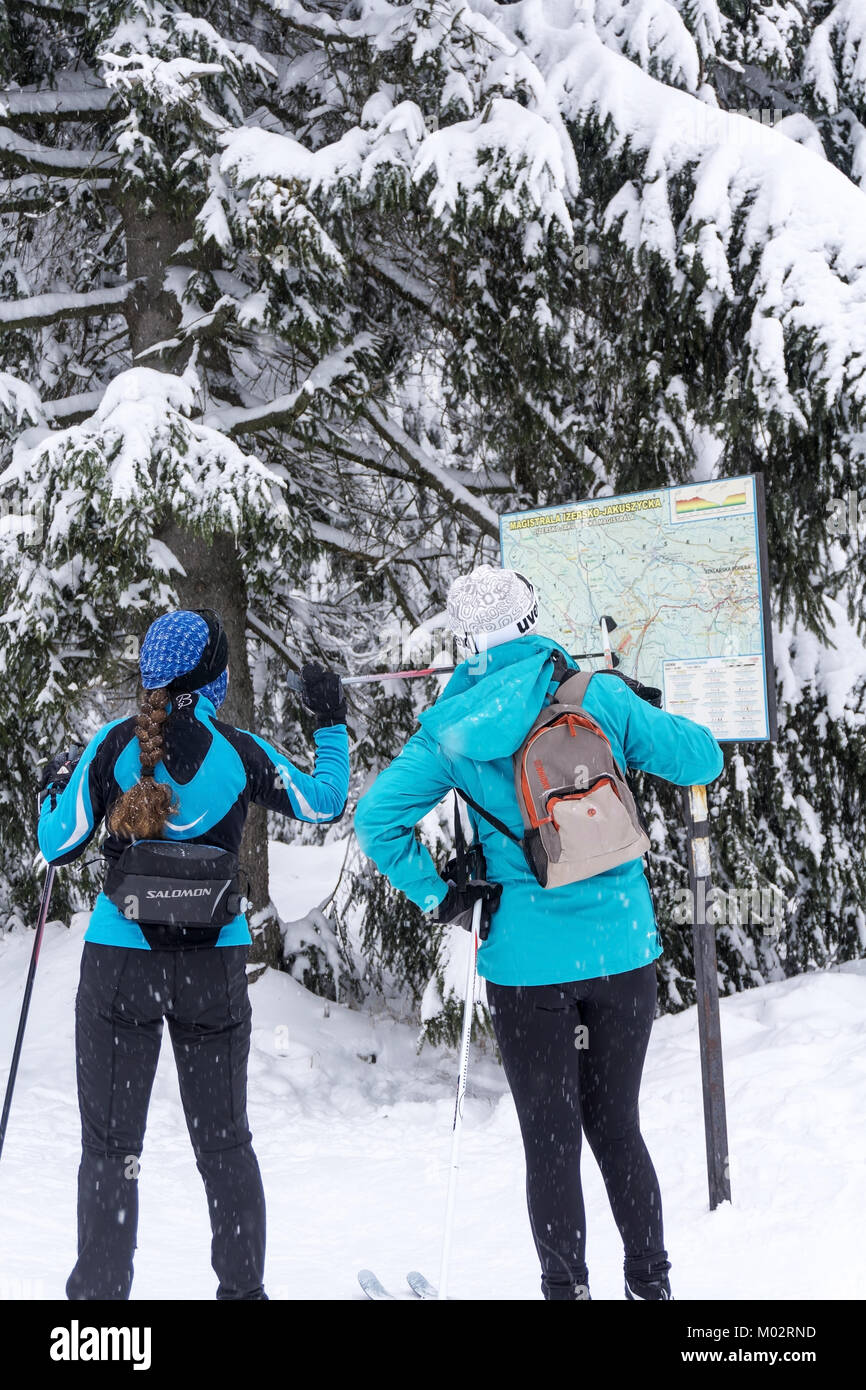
(735, 498)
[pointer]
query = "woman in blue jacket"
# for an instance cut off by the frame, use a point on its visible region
(557, 960)
(168, 937)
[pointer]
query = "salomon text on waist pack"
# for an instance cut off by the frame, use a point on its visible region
(191, 885)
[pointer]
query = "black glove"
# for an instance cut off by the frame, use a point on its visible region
(56, 774)
(322, 692)
(650, 693)
(458, 903)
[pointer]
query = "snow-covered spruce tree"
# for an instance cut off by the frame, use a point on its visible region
(442, 259)
(148, 346)
(613, 282)
(110, 120)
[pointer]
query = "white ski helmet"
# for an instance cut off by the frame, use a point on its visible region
(491, 606)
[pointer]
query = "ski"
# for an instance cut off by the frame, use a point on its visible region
(372, 1286)
(375, 1289)
(421, 1287)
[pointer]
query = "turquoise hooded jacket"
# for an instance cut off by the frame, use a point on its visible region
(603, 925)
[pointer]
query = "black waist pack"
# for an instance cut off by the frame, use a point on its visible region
(159, 883)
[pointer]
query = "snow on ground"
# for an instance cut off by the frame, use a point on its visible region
(354, 1152)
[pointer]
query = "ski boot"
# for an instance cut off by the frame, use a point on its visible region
(646, 1279)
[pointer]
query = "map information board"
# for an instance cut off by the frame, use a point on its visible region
(683, 572)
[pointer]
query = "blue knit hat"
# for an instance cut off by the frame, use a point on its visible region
(174, 645)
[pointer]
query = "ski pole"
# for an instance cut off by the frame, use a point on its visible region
(457, 1127)
(293, 681)
(28, 990)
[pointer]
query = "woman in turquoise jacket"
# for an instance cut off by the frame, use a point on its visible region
(168, 939)
(563, 966)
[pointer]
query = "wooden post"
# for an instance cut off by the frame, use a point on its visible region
(706, 979)
(707, 987)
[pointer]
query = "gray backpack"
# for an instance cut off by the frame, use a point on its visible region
(579, 815)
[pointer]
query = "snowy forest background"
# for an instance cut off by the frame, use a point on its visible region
(295, 299)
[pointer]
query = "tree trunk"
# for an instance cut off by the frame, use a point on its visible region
(212, 570)
(214, 579)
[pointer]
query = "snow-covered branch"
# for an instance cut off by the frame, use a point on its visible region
(765, 219)
(362, 547)
(431, 474)
(408, 286)
(35, 193)
(544, 417)
(55, 106)
(18, 399)
(315, 26)
(37, 310)
(273, 640)
(72, 410)
(55, 10)
(211, 324)
(416, 292)
(276, 414)
(284, 410)
(18, 152)
(335, 441)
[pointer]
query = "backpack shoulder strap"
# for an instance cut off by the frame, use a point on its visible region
(572, 686)
(491, 820)
(561, 668)
(572, 690)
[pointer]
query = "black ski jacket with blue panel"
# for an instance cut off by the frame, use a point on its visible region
(215, 771)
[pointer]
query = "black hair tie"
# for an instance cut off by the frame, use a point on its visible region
(213, 660)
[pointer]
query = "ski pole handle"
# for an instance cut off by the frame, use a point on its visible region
(605, 637)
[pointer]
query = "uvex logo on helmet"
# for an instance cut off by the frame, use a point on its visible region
(529, 621)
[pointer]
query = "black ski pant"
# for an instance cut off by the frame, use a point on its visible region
(123, 996)
(573, 1055)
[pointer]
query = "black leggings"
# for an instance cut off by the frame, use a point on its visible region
(573, 1055)
(123, 996)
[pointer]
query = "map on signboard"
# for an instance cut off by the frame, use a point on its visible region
(680, 571)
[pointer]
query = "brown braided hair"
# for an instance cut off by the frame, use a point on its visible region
(141, 812)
